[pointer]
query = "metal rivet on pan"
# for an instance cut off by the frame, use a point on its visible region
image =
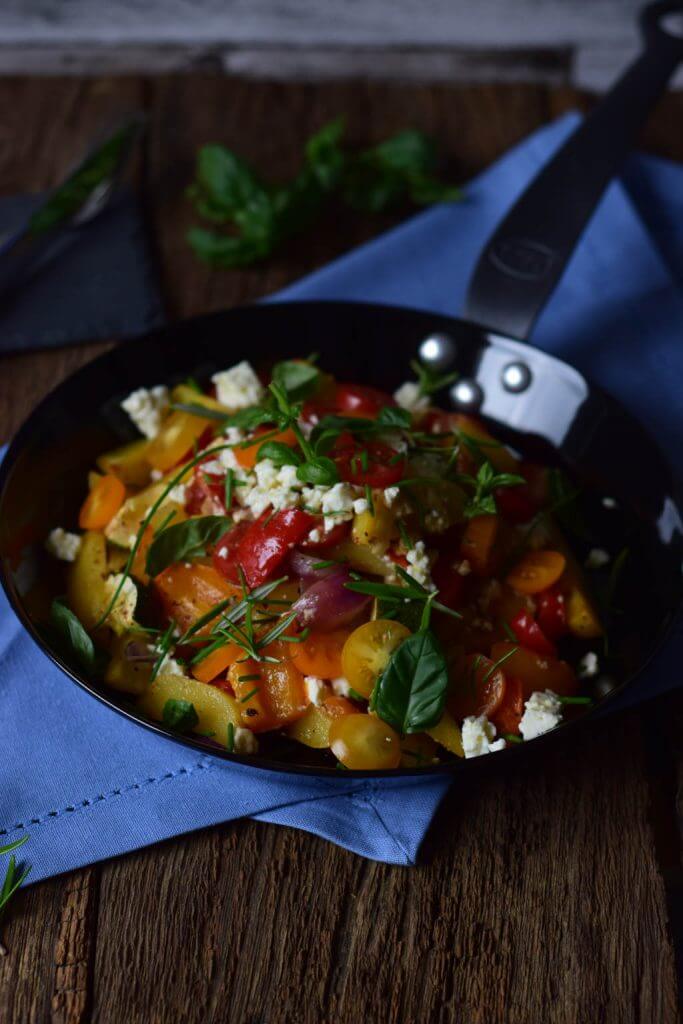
(467, 394)
(516, 377)
(438, 350)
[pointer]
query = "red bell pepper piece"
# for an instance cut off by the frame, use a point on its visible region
(261, 547)
(551, 612)
(530, 634)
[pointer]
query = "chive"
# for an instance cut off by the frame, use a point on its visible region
(510, 737)
(165, 522)
(497, 664)
(404, 535)
(229, 486)
(325, 565)
(248, 679)
(364, 460)
(248, 696)
(368, 498)
(576, 700)
(509, 632)
(355, 695)
(230, 744)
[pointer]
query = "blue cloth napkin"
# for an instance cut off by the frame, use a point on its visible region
(87, 785)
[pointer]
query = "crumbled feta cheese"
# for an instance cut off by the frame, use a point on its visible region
(156, 475)
(244, 741)
(238, 387)
(177, 494)
(588, 665)
(315, 536)
(170, 667)
(341, 687)
(337, 504)
(270, 486)
(463, 568)
(315, 689)
(597, 557)
(213, 467)
(360, 506)
(390, 495)
(479, 737)
(62, 544)
(543, 711)
(223, 552)
(609, 503)
(121, 616)
(146, 407)
(408, 397)
(419, 565)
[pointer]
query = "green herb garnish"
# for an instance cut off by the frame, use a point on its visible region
(180, 715)
(410, 694)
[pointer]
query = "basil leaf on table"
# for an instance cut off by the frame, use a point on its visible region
(297, 379)
(411, 692)
(180, 715)
(72, 636)
(184, 541)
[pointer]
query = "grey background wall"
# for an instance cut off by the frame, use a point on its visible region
(584, 42)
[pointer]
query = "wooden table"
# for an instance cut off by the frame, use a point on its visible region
(552, 894)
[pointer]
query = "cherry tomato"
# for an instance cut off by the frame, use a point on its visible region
(373, 464)
(359, 400)
(262, 547)
(551, 612)
(530, 634)
(536, 571)
(477, 544)
(509, 714)
(330, 539)
(189, 591)
(320, 654)
(364, 743)
(247, 457)
(479, 688)
(536, 671)
(205, 494)
(367, 651)
(102, 503)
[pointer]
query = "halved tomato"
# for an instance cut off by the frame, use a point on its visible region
(478, 689)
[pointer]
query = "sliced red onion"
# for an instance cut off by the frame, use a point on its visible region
(328, 604)
(138, 651)
(303, 566)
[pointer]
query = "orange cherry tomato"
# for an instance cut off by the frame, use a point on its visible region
(536, 571)
(246, 457)
(536, 671)
(509, 714)
(364, 743)
(103, 502)
(336, 707)
(479, 688)
(321, 654)
(477, 544)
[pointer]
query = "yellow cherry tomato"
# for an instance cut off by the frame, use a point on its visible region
(367, 651)
(364, 742)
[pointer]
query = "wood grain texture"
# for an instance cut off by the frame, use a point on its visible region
(551, 895)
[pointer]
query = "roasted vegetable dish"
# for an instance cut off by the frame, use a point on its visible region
(288, 561)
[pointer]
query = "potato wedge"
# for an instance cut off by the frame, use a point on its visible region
(215, 708)
(86, 586)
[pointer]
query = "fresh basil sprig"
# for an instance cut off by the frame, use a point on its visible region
(482, 501)
(411, 692)
(72, 636)
(279, 454)
(180, 715)
(184, 541)
(296, 377)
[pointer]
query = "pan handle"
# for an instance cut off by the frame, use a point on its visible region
(526, 255)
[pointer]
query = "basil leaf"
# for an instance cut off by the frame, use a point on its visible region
(321, 471)
(184, 541)
(72, 636)
(296, 379)
(411, 692)
(180, 715)
(394, 416)
(249, 419)
(280, 454)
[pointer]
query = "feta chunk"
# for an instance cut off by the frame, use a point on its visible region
(479, 737)
(337, 504)
(543, 711)
(315, 536)
(170, 667)
(238, 387)
(122, 615)
(597, 557)
(244, 741)
(390, 495)
(315, 690)
(419, 565)
(146, 407)
(360, 506)
(341, 687)
(408, 397)
(588, 665)
(270, 487)
(463, 568)
(177, 494)
(63, 545)
(609, 503)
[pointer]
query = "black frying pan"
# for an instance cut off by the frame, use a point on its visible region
(536, 402)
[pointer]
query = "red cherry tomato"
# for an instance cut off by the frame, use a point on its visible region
(530, 634)
(479, 689)
(205, 494)
(262, 547)
(508, 716)
(378, 467)
(551, 612)
(328, 540)
(358, 400)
